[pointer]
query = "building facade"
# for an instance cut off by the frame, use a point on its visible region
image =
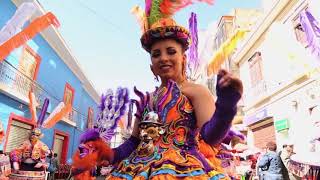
(280, 77)
(46, 65)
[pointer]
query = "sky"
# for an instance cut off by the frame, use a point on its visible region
(105, 37)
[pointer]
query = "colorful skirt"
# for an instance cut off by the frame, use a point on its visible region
(167, 165)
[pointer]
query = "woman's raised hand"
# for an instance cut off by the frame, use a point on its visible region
(226, 81)
(229, 89)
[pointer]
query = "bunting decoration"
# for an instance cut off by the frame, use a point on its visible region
(36, 26)
(55, 116)
(224, 51)
(312, 29)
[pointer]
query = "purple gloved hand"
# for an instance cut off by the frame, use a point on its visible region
(231, 134)
(229, 91)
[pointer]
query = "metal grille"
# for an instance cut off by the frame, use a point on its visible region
(19, 132)
(17, 82)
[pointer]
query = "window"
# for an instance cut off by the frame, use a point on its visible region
(90, 118)
(255, 66)
(29, 63)
(300, 35)
(68, 94)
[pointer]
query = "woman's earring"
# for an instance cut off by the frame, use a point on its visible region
(184, 71)
(156, 78)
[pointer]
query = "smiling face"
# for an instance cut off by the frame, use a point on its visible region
(168, 60)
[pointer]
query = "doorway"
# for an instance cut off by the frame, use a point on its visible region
(60, 145)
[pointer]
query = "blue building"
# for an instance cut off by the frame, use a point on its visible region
(46, 64)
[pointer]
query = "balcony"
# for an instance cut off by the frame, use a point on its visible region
(17, 85)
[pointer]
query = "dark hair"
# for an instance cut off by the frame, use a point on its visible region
(183, 48)
(272, 146)
(55, 155)
(1, 151)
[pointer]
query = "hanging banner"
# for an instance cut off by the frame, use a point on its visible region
(15, 24)
(1, 132)
(36, 26)
(311, 27)
(224, 51)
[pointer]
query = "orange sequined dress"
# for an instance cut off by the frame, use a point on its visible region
(176, 153)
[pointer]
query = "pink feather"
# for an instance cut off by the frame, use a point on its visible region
(170, 7)
(148, 7)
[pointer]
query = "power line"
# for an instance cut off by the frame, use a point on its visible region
(99, 15)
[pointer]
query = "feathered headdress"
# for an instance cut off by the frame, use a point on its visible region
(56, 115)
(156, 21)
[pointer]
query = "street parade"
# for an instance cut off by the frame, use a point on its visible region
(160, 89)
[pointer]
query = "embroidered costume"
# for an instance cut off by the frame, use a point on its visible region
(169, 146)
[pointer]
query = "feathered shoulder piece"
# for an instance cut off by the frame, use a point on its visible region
(112, 108)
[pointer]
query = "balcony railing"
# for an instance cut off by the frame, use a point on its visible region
(18, 85)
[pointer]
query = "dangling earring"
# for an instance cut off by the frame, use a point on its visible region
(184, 71)
(156, 78)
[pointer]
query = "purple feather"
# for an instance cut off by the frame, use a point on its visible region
(193, 51)
(147, 98)
(130, 114)
(164, 97)
(102, 99)
(89, 135)
(139, 94)
(43, 112)
(124, 95)
(111, 101)
(140, 104)
(139, 109)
